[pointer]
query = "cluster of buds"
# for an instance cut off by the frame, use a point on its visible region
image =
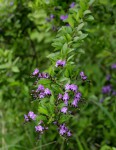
(63, 17)
(83, 76)
(30, 116)
(41, 92)
(109, 89)
(40, 128)
(68, 98)
(39, 75)
(60, 63)
(64, 131)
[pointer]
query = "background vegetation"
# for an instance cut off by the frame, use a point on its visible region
(26, 38)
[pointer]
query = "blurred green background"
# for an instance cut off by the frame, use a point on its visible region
(25, 42)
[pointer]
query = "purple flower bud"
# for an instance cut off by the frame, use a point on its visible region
(65, 96)
(62, 129)
(43, 75)
(67, 24)
(42, 95)
(48, 19)
(63, 17)
(31, 115)
(73, 87)
(69, 133)
(75, 102)
(64, 110)
(106, 89)
(60, 63)
(39, 128)
(113, 66)
(114, 93)
(101, 100)
(83, 77)
(67, 86)
(36, 71)
(47, 91)
(59, 96)
(26, 118)
(72, 5)
(82, 73)
(108, 77)
(78, 95)
(52, 16)
(40, 88)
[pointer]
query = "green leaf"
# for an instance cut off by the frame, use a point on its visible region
(42, 110)
(89, 18)
(65, 48)
(15, 69)
(44, 81)
(70, 21)
(80, 26)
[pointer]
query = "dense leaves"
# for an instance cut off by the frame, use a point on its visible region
(34, 35)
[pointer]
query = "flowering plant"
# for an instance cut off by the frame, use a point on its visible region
(58, 89)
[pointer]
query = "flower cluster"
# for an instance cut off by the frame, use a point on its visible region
(40, 128)
(30, 116)
(72, 5)
(109, 88)
(39, 75)
(60, 63)
(63, 130)
(65, 97)
(63, 17)
(64, 103)
(41, 92)
(113, 66)
(106, 89)
(83, 77)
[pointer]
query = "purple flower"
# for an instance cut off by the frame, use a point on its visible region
(78, 95)
(47, 91)
(67, 86)
(67, 24)
(72, 4)
(39, 128)
(101, 100)
(31, 115)
(26, 118)
(108, 77)
(106, 89)
(113, 66)
(60, 63)
(69, 133)
(40, 88)
(64, 110)
(63, 129)
(75, 102)
(42, 95)
(63, 17)
(51, 16)
(48, 19)
(59, 96)
(114, 93)
(73, 87)
(83, 77)
(36, 71)
(65, 96)
(82, 73)
(43, 75)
